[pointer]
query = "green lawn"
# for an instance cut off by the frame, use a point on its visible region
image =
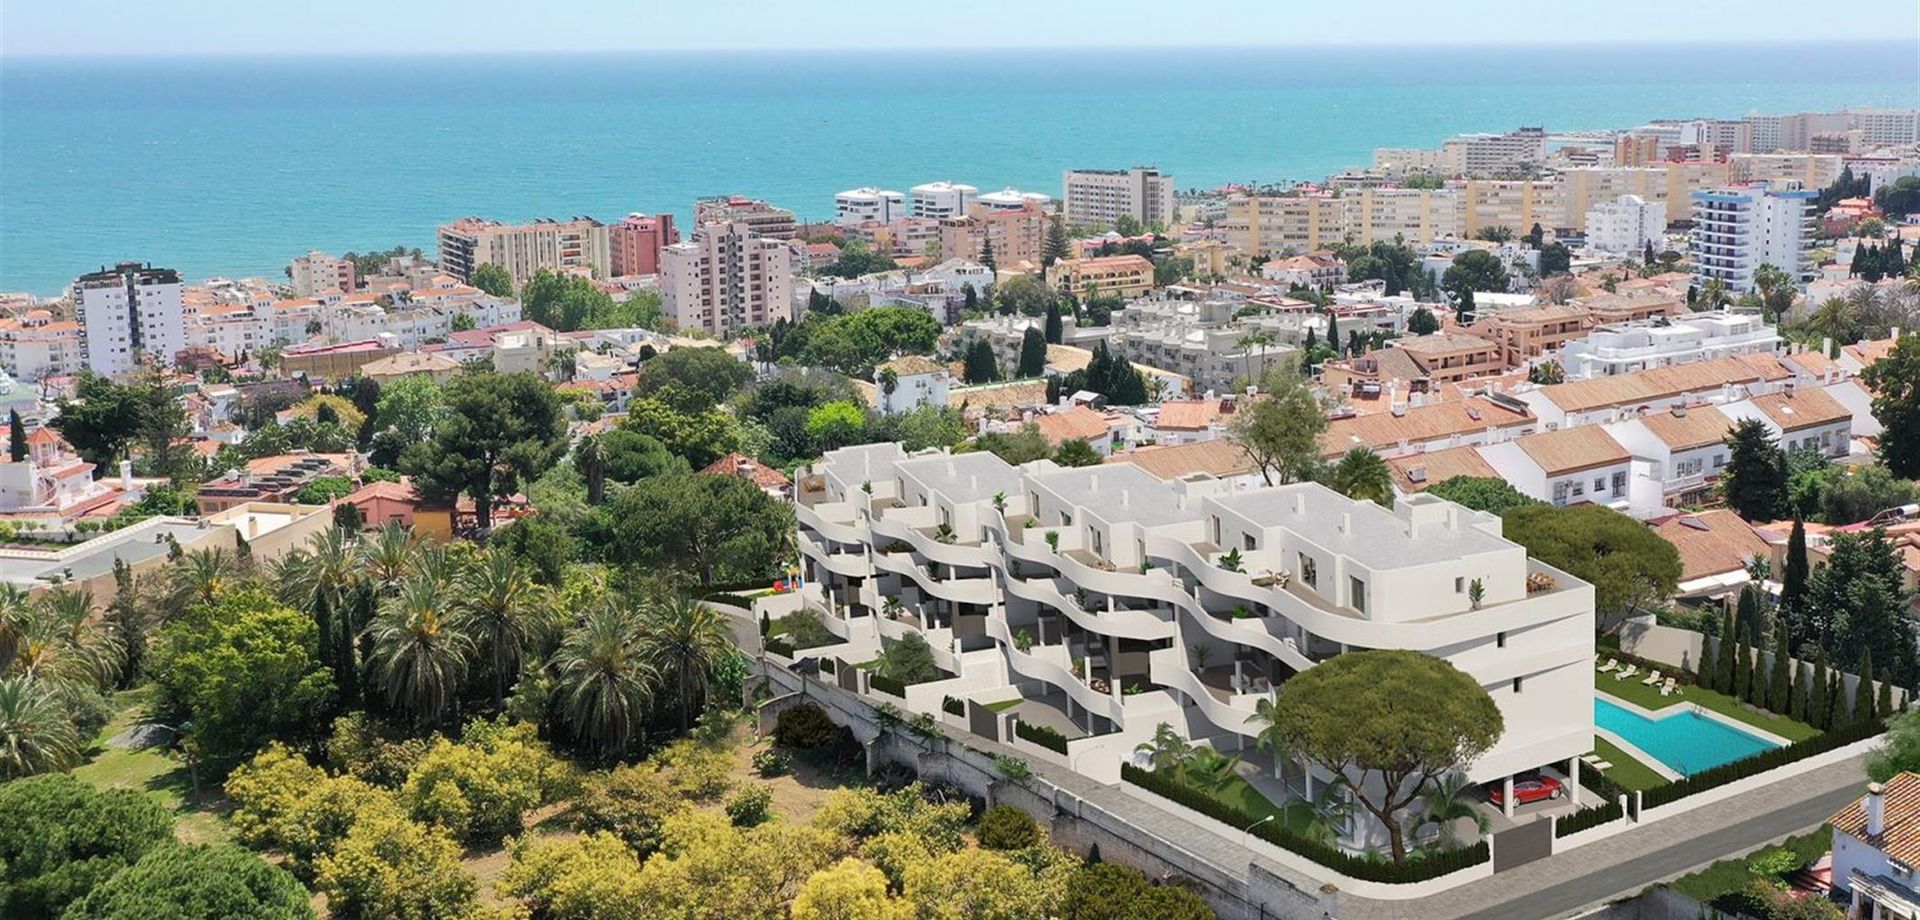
(1004, 705)
(1299, 817)
(1626, 770)
(1729, 875)
(157, 773)
(1646, 697)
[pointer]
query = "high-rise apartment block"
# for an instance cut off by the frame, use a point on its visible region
(635, 243)
(1738, 229)
(1017, 235)
(317, 274)
(726, 278)
(1626, 225)
(863, 205)
(941, 200)
(1099, 197)
(129, 312)
(760, 217)
(577, 245)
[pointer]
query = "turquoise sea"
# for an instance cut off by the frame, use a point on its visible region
(235, 165)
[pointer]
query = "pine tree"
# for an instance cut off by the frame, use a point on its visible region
(1054, 332)
(1708, 668)
(1033, 355)
(980, 365)
(1742, 663)
(1725, 683)
(1057, 245)
(1755, 479)
(986, 256)
(1333, 331)
(16, 437)
(1780, 687)
(1863, 691)
(1793, 584)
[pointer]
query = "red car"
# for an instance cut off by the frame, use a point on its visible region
(1526, 789)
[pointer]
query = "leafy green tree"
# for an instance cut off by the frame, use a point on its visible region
(498, 431)
(909, 659)
(1555, 259)
(836, 424)
(1127, 225)
(1362, 475)
(857, 259)
(1076, 452)
(1863, 691)
(1856, 603)
(1899, 750)
(1033, 354)
(1483, 493)
(1628, 564)
(1473, 270)
(1423, 322)
(630, 456)
(696, 438)
(101, 420)
(924, 427)
(1755, 480)
(492, 279)
(716, 529)
(1895, 382)
(197, 883)
(322, 490)
(243, 670)
(1025, 296)
(408, 407)
(391, 868)
(1106, 891)
(1018, 447)
(62, 839)
(1858, 493)
(692, 379)
(1389, 722)
(1281, 432)
(564, 303)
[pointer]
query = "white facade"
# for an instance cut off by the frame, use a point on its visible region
(1098, 197)
(317, 273)
(1736, 230)
(860, 205)
(1625, 225)
(940, 200)
(1013, 199)
(127, 312)
(1630, 347)
(726, 278)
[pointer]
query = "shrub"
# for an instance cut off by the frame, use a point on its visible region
(1041, 735)
(1589, 817)
(1004, 827)
(1013, 769)
(804, 726)
(476, 795)
(828, 666)
(805, 630)
(630, 802)
(772, 762)
(1361, 867)
(392, 867)
(1758, 763)
(953, 706)
(61, 838)
(1105, 891)
(884, 684)
(363, 748)
(695, 770)
(752, 807)
(778, 646)
(185, 882)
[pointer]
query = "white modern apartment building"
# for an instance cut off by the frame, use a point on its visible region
(1626, 225)
(1013, 199)
(37, 346)
(857, 206)
(1629, 347)
(128, 312)
(1103, 602)
(1738, 229)
(1098, 197)
(940, 200)
(725, 278)
(576, 245)
(317, 273)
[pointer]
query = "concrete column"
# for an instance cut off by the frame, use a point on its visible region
(1573, 774)
(1506, 797)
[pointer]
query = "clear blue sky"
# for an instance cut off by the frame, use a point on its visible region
(266, 27)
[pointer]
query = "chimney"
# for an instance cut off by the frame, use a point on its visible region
(1124, 498)
(1346, 522)
(1826, 345)
(1300, 502)
(1876, 802)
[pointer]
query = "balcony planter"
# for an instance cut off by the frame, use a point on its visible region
(1538, 582)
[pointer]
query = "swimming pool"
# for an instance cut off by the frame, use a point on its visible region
(1683, 739)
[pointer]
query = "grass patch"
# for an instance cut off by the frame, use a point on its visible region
(1649, 698)
(155, 772)
(1626, 770)
(1003, 705)
(1298, 817)
(1730, 875)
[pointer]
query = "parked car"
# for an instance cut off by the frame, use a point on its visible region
(1526, 789)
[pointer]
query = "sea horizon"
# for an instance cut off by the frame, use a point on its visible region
(233, 165)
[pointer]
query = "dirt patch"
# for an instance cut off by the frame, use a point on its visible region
(796, 795)
(548, 822)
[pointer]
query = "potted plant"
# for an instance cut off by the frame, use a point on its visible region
(1053, 540)
(867, 487)
(1000, 502)
(1200, 655)
(1145, 566)
(1023, 640)
(1080, 668)
(1476, 592)
(943, 534)
(1231, 561)
(1242, 613)
(1080, 598)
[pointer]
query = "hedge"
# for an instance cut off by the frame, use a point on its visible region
(1370, 869)
(888, 685)
(1759, 763)
(778, 646)
(1593, 778)
(1041, 735)
(1589, 817)
(953, 706)
(827, 666)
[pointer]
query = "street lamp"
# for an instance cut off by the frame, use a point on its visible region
(1247, 832)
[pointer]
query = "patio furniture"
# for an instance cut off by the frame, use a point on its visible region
(1651, 679)
(1626, 672)
(1669, 688)
(1609, 666)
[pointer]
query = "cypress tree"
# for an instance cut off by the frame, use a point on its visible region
(1053, 389)
(1748, 613)
(1793, 582)
(1707, 668)
(1054, 330)
(987, 257)
(1727, 658)
(1033, 355)
(1333, 331)
(16, 437)
(1837, 700)
(1863, 691)
(1798, 694)
(1883, 702)
(1742, 664)
(1817, 705)
(1780, 687)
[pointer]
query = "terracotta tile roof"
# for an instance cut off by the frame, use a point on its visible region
(1870, 351)
(910, 365)
(1441, 343)
(1697, 426)
(1078, 423)
(996, 396)
(746, 467)
(1803, 409)
(1899, 835)
(1664, 382)
(1418, 472)
(43, 435)
(1812, 362)
(410, 363)
(1219, 457)
(1711, 542)
(1572, 449)
(1420, 424)
(1194, 414)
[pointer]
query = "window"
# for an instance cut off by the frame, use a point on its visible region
(1459, 585)
(1599, 484)
(1579, 487)
(1246, 541)
(1517, 684)
(1500, 640)
(1619, 483)
(1719, 460)
(1559, 493)
(1216, 531)
(1309, 573)
(1357, 594)
(1066, 518)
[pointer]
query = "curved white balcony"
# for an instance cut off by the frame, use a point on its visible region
(1255, 632)
(1168, 666)
(1044, 664)
(1125, 624)
(851, 565)
(834, 520)
(978, 590)
(928, 545)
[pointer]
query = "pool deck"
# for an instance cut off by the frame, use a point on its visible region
(1656, 764)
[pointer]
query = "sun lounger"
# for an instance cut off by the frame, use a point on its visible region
(1669, 688)
(1652, 679)
(1626, 672)
(1610, 665)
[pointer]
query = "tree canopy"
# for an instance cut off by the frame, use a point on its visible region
(62, 838)
(1626, 562)
(243, 669)
(197, 883)
(723, 529)
(1280, 431)
(1483, 493)
(498, 431)
(1895, 382)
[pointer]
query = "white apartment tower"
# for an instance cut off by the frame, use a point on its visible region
(1738, 229)
(1098, 197)
(726, 278)
(127, 312)
(317, 274)
(941, 200)
(860, 205)
(1625, 225)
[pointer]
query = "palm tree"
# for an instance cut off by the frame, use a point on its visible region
(605, 683)
(591, 460)
(199, 575)
(685, 639)
(1168, 750)
(496, 607)
(59, 640)
(1447, 801)
(1833, 320)
(1361, 475)
(1261, 339)
(1266, 712)
(324, 580)
(418, 651)
(389, 556)
(35, 734)
(1210, 770)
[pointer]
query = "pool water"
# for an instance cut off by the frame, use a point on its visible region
(1683, 739)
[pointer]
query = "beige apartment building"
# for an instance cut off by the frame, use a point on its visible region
(1017, 235)
(762, 218)
(1809, 170)
(1513, 203)
(1521, 335)
(727, 277)
(1411, 214)
(1273, 225)
(1098, 197)
(577, 245)
(1127, 276)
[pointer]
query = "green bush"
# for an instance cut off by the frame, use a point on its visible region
(190, 882)
(1041, 735)
(804, 726)
(60, 838)
(772, 762)
(887, 685)
(752, 807)
(953, 706)
(1417, 869)
(632, 803)
(1589, 817)
(778, 646)
(1004, 827)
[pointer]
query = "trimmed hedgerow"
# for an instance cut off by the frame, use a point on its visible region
(1759, 763)
(953, 706)
(888, 685)
(1589, 817)
(1041, 735)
